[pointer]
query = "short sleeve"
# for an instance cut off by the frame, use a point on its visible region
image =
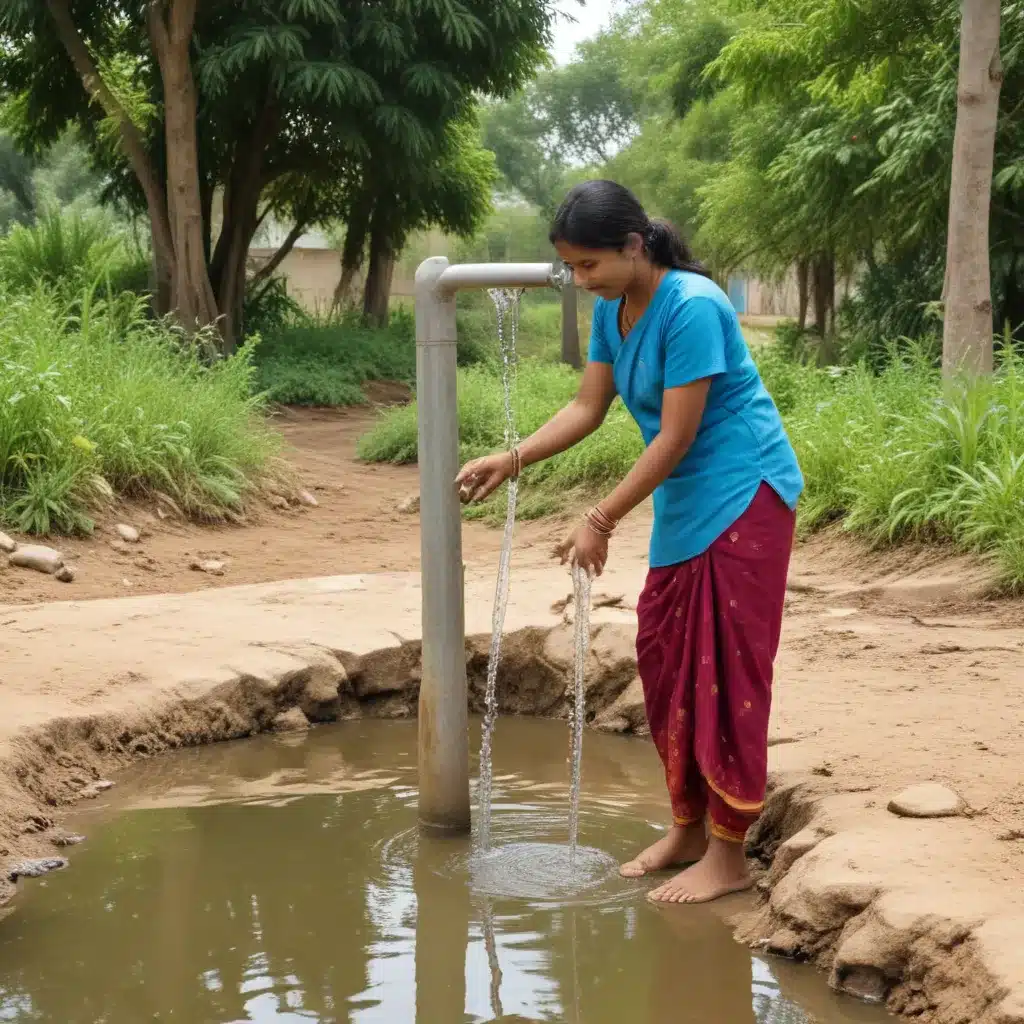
(694, 342)
(600, 351)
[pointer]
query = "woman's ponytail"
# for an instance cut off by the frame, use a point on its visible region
(666, 248)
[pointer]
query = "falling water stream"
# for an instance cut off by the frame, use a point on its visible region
(506, 304)
(581, 643)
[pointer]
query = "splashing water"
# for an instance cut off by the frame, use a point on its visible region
(506, 303)
(577, 718)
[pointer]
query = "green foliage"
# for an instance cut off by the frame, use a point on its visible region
(97, 401)
(894, 301)
(579, 114)
(327, 362)
(72, 253)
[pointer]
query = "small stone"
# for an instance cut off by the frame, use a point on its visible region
(210, 566)
(36, 868)
(927, 800)
(292, 720)
(7, 544)
(127, 533)
(94, 789)
(277, 501)
(67, 839)
(306, 498)
(65, 574)
(410, 506)
(38, 557)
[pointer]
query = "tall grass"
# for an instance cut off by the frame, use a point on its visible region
(891, 456)
(72, 253)
(326, 361)
(97, 400)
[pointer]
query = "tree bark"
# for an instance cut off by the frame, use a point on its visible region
(967, 331)
(819, 294)
(803, 283)
(131, 140)
(192, 296)
(241, 218)
(379, 272)
(352, 255)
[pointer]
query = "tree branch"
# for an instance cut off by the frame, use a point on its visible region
(265, 272)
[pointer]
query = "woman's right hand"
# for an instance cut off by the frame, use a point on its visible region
(482, 477)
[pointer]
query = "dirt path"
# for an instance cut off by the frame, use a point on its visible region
(894, 671)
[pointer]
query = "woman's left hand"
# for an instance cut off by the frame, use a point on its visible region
(585, 547)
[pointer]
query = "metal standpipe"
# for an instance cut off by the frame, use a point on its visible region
(443, 702)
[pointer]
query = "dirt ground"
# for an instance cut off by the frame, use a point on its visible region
(895, 669)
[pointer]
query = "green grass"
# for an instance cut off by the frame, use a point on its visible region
(97, 400)
(891, 456)
(327, 362)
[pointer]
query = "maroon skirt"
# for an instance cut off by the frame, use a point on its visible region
(708, 634)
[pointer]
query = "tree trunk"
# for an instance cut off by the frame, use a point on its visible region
(352, 255)
(192, 295)
(381, 269)
(967, 331)
(570, 326)
(132, 143)
(803, 283)
(241, 218)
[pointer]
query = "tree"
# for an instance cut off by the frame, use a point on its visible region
(230, 96)
(967, 332)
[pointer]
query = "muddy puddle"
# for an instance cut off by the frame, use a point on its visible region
(283, 880)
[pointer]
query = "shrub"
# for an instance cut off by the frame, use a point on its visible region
(106, 401)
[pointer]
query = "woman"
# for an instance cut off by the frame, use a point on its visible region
(725, 482)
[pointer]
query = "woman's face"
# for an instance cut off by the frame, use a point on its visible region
(604, 272)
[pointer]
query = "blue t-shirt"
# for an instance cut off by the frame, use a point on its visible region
(687, 333)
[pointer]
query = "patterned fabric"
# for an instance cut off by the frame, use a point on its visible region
(707, 639)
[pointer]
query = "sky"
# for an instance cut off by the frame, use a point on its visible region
(589, 20)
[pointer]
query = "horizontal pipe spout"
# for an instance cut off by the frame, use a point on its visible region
(499, 275)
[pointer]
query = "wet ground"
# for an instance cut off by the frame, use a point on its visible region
(283, 879)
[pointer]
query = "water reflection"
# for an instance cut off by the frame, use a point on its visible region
(292, 886)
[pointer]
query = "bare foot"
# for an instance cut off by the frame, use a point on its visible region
(684, 844)
(722, 870)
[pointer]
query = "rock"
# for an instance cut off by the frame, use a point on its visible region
(94, 789)
(36, 868)
(410, 506)
(127, 533)
(277, 501)
(306, 498)
(927, 800)
(120, 547)
(292, 720)
(67, 839)
(7, 544)
(65, 574)
(38, 557)
(210, 566)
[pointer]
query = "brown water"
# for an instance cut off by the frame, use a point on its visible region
(283, 879)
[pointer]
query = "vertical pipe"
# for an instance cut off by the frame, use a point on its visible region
(443, 712)
(570, 323)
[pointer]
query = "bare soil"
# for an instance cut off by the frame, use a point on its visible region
(896, 669)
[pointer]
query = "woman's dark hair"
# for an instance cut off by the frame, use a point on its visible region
(603, 214)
